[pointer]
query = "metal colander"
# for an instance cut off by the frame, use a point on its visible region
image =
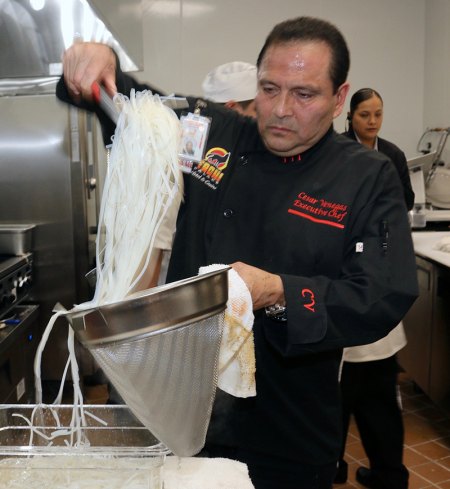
(159, 348)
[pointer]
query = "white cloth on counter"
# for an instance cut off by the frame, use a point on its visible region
(379, 350)
(443, 244)
(237, 366)
(205, 473)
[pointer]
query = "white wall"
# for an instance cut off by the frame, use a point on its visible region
(437, 68)
(184, 39)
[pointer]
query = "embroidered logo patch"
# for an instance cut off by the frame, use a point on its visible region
(319, 210)
(210, 169)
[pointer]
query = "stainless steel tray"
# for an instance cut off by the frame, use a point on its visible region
(16, 239)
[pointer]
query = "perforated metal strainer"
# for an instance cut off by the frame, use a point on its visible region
(159, 348)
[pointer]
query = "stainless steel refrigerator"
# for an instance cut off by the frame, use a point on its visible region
(52, 159)
(44, 180)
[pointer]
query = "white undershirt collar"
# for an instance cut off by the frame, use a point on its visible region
(376, 141)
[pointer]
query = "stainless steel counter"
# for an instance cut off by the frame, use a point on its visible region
(426, 357)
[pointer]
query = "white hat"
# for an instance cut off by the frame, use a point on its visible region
(231, 81)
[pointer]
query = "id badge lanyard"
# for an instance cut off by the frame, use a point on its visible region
(195, 130)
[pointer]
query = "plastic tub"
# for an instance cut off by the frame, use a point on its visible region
(115, 451)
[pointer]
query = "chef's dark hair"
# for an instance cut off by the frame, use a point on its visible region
(359, 96)
(313, 29)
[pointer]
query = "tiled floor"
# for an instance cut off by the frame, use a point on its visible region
(427, 442)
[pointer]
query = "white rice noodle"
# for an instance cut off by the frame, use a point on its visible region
(142, 181)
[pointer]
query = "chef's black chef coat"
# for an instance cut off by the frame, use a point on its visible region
(332, 223)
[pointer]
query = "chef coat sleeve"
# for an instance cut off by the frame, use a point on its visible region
(376, 286)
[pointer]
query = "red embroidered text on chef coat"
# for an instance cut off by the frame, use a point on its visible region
(310, 302)
(319, 210)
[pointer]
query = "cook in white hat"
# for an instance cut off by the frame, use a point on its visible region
(233, 85)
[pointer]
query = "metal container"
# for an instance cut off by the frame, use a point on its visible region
(153, 311)
(16, 239)
(160, 350)
(115, 451)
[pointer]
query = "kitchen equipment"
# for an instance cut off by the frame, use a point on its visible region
(52, 158)
(433, 142)
(115, 450)
(438, 189)
(41, 32)
(48, 154)
(159, 348)
(16, 239)
(18, 342)
(429, 180)
(110, 108)
(15, 280)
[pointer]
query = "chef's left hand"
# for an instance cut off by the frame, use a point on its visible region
(265, 288)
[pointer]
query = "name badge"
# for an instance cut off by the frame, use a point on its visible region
(195, 129)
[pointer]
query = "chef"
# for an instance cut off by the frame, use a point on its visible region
(313, 222)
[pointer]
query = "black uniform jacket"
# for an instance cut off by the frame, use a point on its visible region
(399, 159)
(333, 225)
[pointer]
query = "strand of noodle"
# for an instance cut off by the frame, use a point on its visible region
(126, 264)
(58, 398)
(143, 178)
(109, 215)
(147, 259)
(53, 412)
(118, 265)
(53, 434)
(74, 428)
(78, 418)
(99, 420)
(38, 356)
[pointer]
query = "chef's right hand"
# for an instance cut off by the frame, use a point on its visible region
(85, 63)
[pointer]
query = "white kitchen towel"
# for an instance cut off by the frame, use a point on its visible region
(443, 244)
(237, 351)
(205, 473)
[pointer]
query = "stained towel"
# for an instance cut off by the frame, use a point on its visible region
(236, 372)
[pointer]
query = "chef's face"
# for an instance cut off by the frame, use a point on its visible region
(367, 119)
(296, 104)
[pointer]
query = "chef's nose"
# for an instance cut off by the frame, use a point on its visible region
(283, 105)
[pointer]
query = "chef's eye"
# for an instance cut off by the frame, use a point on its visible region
(269, 89)
(301, 94)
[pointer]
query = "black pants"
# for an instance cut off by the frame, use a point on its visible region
(272, 472)
(369, 392)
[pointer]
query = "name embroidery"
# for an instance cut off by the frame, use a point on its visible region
(318, 210)
(309, 295)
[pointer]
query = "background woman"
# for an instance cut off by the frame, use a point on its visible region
(369, 373)
(364, 123)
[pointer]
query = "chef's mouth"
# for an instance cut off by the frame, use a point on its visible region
(279, 129)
